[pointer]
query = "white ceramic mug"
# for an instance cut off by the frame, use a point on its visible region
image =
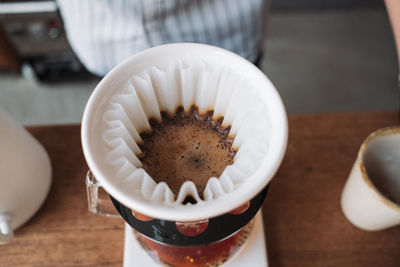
(25, 176)
(371, 196)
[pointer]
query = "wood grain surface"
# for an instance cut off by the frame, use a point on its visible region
(303, 220)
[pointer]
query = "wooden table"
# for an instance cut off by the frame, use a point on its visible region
(303, 220)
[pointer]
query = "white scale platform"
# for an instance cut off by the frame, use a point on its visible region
(253, 253)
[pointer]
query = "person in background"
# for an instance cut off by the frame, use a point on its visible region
(393, 9)
(103, 33)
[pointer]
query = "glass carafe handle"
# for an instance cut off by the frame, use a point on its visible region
(98, 199)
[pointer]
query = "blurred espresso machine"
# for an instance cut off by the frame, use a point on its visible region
(35, 33)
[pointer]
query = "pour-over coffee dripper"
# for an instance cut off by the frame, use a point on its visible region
(163, 78)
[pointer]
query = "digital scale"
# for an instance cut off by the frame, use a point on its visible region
(252, 253)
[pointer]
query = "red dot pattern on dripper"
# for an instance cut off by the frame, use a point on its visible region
(141, 216)
(240, 209)
(192, 228)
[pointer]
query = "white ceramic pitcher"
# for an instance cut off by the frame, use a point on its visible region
(25, 176)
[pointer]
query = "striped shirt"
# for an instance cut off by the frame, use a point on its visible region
(104, 32)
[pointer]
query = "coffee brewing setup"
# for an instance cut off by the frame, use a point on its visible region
(220, 226)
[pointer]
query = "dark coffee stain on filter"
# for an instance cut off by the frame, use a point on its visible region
(186, 147)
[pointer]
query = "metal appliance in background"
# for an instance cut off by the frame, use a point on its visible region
(35, 30)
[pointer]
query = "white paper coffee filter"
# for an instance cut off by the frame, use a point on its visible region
(162, 79)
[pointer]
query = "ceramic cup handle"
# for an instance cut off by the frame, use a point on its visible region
(6, 231)
(98, 199)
